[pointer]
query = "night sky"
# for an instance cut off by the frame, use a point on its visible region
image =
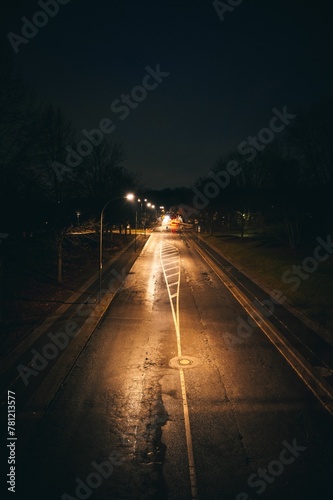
(224, 77)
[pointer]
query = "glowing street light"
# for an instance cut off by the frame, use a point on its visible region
(141, 201)
(129, 196)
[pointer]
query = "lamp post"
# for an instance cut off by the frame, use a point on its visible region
(100, 267)
(149, 205)
(136, 228)
(141, 201)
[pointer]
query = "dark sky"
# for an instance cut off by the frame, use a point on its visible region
(225, 77)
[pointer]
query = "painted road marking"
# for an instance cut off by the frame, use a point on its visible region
(166, 249)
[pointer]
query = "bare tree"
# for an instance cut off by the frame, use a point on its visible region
(55, 133)
(310, 142)
(102, 175)
(17, 118)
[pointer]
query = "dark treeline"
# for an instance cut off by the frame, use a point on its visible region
(38, 184)
(52, 179)
(285, 189)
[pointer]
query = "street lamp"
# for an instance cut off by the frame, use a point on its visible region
(136, 218)
(136, 228)
(127, 197)
(147, 205)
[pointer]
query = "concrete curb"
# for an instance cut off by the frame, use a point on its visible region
(310, 323)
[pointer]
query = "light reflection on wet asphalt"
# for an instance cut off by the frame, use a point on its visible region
(179, 431)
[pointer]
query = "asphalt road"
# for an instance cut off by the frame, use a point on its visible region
(163, 403)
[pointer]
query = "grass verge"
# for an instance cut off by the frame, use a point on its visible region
(266, 263)
(30, 291)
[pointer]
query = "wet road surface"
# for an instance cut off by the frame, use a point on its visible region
(160, 403)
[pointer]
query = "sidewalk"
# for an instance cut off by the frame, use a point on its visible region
(31, 369)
